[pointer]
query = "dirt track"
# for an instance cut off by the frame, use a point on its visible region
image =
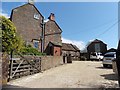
(79, 74)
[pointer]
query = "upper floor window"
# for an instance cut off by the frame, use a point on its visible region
(36, 16)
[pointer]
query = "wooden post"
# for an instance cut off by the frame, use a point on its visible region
(11, 65)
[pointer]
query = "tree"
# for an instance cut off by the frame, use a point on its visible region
(8, 36)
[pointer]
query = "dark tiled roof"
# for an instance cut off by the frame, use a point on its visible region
(67, 47)
(56, 44)
(96, 41)
(76, 48)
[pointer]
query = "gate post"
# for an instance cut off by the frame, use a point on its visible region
(11, 65)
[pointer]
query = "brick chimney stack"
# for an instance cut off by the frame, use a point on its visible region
(52, 17)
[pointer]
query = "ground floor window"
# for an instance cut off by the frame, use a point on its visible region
(36, 43)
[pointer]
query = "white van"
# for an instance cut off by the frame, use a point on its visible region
(96, 56)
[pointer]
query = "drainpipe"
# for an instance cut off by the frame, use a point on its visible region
(42, 35)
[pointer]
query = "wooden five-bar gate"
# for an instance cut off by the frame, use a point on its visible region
(23, 66)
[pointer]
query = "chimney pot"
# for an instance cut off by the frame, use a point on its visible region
(52, 17)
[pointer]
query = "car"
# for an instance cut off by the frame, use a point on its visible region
(108, 59)
(96, 56)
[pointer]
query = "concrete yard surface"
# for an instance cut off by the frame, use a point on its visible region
(79, 74)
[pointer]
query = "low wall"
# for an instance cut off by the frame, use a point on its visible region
(48, 62)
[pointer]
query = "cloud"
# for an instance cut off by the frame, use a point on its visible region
(89, 42)
(79, 44)
(46, 20)
(3, 12)
(5, 15)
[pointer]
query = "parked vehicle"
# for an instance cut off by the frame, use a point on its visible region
(108, 58)
(96, 56)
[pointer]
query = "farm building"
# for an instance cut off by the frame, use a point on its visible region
(97, 46)
(70, 50)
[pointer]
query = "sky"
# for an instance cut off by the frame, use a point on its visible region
(81, 22)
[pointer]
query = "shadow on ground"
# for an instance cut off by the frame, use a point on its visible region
(11, 87)
(110, 77)
(103, 67)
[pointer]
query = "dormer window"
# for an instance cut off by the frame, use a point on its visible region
(36, 16)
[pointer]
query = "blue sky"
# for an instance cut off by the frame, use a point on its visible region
(81, 22)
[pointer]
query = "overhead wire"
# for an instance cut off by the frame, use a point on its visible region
(109, 28)
(91, 29)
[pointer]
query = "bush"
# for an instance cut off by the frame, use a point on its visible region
(29, 50)
(8, 36)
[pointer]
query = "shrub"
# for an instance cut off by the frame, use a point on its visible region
(8, 36)
(29, 50)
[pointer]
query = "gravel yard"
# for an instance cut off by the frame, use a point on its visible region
(79, 74)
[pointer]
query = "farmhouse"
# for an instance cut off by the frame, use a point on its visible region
(30, 25)
(27, 20)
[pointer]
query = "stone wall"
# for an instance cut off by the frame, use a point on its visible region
(48, 62)
(5, 66)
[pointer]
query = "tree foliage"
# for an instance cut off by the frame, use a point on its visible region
(8, 35)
